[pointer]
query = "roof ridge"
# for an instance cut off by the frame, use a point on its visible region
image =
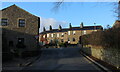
(8, 7)
(19, 8)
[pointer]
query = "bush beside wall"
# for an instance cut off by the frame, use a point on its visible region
(107, 38)
(104, 45)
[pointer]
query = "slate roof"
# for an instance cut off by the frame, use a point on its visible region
(73, 28)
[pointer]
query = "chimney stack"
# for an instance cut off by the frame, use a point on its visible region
(60, 27)
(50, 27)
(81, 25)
(70, 26)
(44, 29)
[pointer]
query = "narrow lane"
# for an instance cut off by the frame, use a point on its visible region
(62, 59)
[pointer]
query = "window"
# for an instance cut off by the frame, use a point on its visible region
(57, 34)
(20, 43)
(47, 35)
(73, 32)
(21, 40)
(73, 39)
(68, 32)
(51, 35)
(95, 30)
(21, 22)
(68, 40)
(4, 22)
(62, 35)
(54, 35)
(84, 32)
(43, 36)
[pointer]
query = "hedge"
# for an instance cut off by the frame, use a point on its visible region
(106, 38)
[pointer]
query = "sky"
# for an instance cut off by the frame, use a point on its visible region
(101, 13)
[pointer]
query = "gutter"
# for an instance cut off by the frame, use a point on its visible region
(96, 63)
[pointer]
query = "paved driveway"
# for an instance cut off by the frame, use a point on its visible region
(56, 59)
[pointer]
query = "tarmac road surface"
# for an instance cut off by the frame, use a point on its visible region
(62, 59)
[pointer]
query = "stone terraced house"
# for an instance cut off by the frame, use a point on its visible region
(19, 29)
(70, 35)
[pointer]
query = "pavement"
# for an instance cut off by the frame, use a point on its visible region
(18, 63)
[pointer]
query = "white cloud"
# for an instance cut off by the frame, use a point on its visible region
(46, 22)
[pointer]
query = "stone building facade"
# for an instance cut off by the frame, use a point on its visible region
(19, 27)
(116, 24)
(70, 35)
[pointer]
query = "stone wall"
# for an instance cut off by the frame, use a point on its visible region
(13, 31)
(109, 55)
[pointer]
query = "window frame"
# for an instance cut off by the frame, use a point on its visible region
(68, 32)
(84, 32)
(2, 21)
(74, 32)
(48, 35)
(44, 36)
(62, 35)
(58, 35)
(19, 22)
(22, 40)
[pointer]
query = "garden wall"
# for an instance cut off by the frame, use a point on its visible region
(109, 55)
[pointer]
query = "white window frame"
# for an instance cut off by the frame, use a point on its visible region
(57, 34)
(95, 30)
(74, 32)
(43, 36)
(62, 35)
(47, 35)
(84, 32)
(68, 32)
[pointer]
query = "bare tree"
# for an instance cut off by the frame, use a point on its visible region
(57, 5)
(116, 7)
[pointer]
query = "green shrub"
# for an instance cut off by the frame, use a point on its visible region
(61, 44)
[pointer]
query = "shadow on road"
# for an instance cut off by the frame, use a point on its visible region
(61, 52)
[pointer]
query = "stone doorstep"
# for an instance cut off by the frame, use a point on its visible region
(102, 63)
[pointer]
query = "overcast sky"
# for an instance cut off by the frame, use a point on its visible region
(101, 13)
